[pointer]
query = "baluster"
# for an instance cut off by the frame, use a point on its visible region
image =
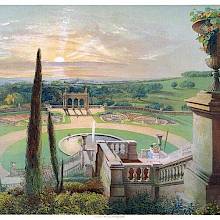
(160, 176)
(183, 167)
(169, 174)
(174, 169)
(145, 174)
(162, 173)
(130, 174)
(112, 146)
(119, 148)
(178, 172)
(122, 148)
(142, 174)
(138, 174)
(166, 175)
(181, 171)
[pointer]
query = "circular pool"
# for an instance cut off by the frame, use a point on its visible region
(72, 144)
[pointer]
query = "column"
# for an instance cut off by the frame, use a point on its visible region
(202, 176)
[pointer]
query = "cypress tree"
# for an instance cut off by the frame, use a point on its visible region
(33, 172)
(61, 178)
(53, 152)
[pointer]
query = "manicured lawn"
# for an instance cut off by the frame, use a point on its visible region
(183, 126)
(7, 128)
(4, 129)
(16, 152)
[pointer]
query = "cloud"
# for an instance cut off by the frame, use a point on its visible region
(112, 42)
(9, 22)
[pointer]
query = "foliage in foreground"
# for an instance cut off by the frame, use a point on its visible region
(90, 203)
(143, 204)
(50, 203)
(209, 209)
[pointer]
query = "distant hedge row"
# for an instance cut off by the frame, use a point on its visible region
(196, 74)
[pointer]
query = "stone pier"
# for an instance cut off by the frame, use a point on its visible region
(202, 176)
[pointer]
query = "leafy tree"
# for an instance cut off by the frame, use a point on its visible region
(53, 151)
(187, 84)
(122, 104)
(174, 84)
(185, 107)
(10, 99)
(140, 93)
(33, 172)
(109, 102)
(154, 105)
(168, 108)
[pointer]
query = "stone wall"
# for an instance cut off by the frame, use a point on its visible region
(171, 190)
(103, 170)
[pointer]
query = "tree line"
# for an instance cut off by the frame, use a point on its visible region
(20, 93)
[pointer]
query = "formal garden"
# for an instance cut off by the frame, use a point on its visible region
(83, 195)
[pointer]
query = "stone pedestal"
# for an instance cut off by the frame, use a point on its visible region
(202, 176)
(132, 150)
(117, 190)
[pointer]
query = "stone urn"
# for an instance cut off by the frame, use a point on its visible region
(204, 26)
(213, 49)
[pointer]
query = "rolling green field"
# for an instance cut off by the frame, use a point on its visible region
(168, 95)
(16, 152)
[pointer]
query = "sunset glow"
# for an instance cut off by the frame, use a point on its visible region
(101, 42)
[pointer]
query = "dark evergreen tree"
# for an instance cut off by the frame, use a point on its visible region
(61, 178)
(53, 150)
(33, 175)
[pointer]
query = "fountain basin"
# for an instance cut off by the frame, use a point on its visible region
(70, 145)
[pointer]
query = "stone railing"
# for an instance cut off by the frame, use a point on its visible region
(136, 172)
(73, 158)
(173, 172)
(72, 170)
(125, 150)
(119, 147)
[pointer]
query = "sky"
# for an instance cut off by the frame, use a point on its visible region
(99, 42)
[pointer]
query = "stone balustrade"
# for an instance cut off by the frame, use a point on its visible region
(136, 173)
(126, 150)
(73, 158)
(173, 172)
(72, 170)
(119, 147)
